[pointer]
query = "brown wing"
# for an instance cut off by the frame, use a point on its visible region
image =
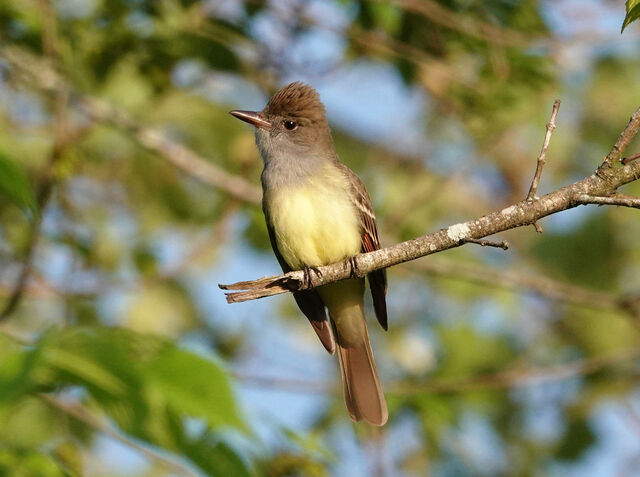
(308, 301)
(370, 242)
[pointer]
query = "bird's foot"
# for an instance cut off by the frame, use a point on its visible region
(307, 275)
(355, 270)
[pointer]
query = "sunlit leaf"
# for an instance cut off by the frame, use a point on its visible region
(633, 13)
(29, 463)
(149, 386)
(17, 370)
(118, 363)
(196, 386)
(30, 423)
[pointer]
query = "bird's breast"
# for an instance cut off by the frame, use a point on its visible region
(315, 223)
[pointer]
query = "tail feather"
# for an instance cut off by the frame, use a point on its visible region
(313, 308)
(362, 391)
(323, 330)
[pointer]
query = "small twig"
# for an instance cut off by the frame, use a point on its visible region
(538, 228)
(551, 125)
(85, 416)
(618, 199)
(627, 160)
(504, 245)
(625, 138)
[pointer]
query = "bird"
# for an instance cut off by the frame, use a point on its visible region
(319, 212)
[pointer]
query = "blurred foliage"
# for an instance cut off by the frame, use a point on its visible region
(120, 327)
(14, 184)
(145, 384)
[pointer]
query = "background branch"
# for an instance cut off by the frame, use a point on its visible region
(61, 140)
(82, 414)
(465, 25)
(512, 378)
(173, 152)
(510, 279)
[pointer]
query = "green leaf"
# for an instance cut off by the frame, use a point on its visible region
(194, 385)
(15, 185)
(226, 462)
(28, 463)
(86, 370)
(633, 13)
(290, 463)
(149, 386)
(217, 460)
(115, 364)
(102, 359)
(17, 368)
(29, 423)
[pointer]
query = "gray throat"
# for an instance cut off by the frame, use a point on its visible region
(287, 171)
(289, 166)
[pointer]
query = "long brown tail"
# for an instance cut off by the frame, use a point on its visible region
(362, 391)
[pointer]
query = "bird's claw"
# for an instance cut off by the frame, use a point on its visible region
(355, 270)
(307, 275)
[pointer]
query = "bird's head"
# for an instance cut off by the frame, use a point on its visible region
(292, 126)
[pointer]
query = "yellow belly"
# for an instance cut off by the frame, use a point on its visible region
(315, 224)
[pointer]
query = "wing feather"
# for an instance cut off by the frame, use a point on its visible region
(370, 242)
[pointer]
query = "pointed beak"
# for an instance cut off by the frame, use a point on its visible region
(252, 117)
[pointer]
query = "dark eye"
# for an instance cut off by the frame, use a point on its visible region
(290, 125)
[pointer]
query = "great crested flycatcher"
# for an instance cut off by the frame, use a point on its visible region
(319, 212)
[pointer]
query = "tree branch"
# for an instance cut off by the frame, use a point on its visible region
(625, 138)
(504, 245)
(551, 125)
(521, 214)
(617, 199)
(627, 160)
